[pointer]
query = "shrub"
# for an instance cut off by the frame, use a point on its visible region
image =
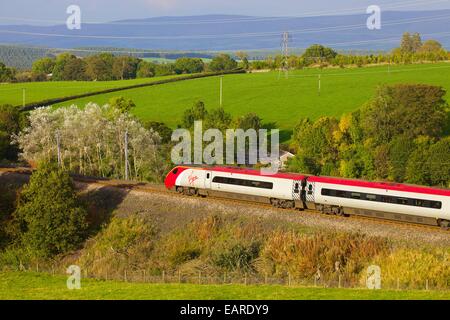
(123, 244)
(48, 219)
(238, 258)
(413, 267)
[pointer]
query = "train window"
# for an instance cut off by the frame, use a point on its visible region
(341, 194)
(419, 203)
(436, 204)
(379, 198)
(244, 182)
(174, 171)
(296, 186)
(402, 201)
(207, 176)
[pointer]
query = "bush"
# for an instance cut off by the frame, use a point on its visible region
(238, 258)
(123, 244)
(48, 219)
(413, 267)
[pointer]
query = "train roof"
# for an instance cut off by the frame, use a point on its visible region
(254, 172)
(382, 185)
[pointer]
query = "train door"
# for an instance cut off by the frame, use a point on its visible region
(208, 179)
(297, 190)
(310, 192)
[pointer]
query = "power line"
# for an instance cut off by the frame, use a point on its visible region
(399, 5)
(230, 35)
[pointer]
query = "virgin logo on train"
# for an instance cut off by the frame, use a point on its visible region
(192, 178)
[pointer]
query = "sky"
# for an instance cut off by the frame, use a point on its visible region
(51, 12)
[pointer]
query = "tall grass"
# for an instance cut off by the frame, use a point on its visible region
(413, 268)
(322, 255)
(241, 246)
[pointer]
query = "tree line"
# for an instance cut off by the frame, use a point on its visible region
(411, 50)
(106, 66)
(401, 135)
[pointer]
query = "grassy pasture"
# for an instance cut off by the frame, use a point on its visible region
(274, 98)
(30, 285)
(12, 93)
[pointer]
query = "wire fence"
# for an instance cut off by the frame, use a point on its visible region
(335, 280)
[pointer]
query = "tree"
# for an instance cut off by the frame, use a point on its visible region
(431, 46)
(243, 56)
(122, 104)
(197, 112)
(410, 43)
(146, 69)
(49, 218)
(75, 69)
(405, 109)
(91, 141)
(400, 150)
(188, 65)
(248, 121)
(439, 164)
(60, 63)
(6, 74)
(222, 62)
(218, 119)
(319, 53)
(99, 67)
(44, 65)
(11, 122)
(125, 67)
(417, 170)
(161, 128)
(315, 141)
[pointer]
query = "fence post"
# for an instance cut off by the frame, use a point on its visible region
(179, 276)
(37, 266)
(245, 279)
(426, 285)
(339, 284)
(125, 275)
(289, 279)
(163, 276)
(315, 282)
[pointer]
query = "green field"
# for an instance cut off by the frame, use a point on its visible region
(282, 100)
(21, 285)
(12, 93)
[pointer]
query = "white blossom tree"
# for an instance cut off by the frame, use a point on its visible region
(92, 141)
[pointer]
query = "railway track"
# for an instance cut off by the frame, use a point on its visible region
(160, 188)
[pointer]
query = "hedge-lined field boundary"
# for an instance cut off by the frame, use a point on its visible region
(34, 105)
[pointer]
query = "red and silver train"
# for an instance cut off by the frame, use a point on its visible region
(338, 196)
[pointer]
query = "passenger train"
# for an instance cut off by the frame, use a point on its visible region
(339, 196)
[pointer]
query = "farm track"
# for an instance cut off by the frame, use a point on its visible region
(160, 189)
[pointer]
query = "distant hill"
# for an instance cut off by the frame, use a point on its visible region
(233, 32)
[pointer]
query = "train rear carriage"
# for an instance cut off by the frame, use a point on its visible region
(382, 200)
